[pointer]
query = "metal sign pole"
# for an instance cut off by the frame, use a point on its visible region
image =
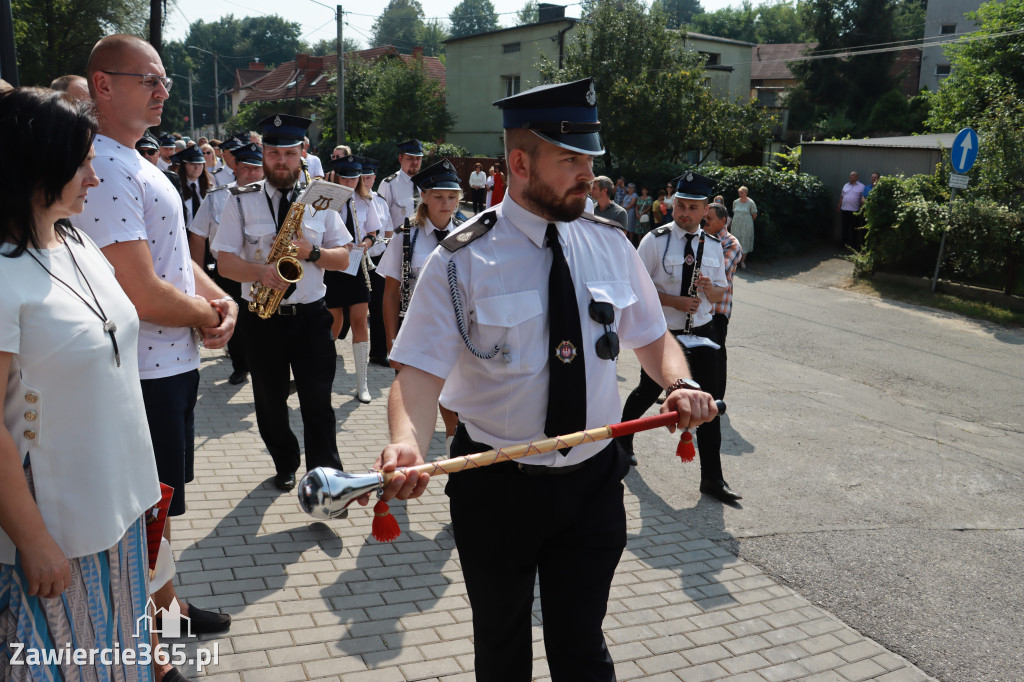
(942, 244)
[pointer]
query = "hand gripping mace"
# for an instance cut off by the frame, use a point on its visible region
(326, 493)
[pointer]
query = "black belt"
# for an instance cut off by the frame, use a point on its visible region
(535, 470)
(290, 310)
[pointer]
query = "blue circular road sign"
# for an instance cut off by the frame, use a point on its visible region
(965, 150)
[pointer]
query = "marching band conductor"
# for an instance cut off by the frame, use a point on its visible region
(522, 346)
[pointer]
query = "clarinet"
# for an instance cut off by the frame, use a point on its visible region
(692, 292)
(365, 257)
(406, 269)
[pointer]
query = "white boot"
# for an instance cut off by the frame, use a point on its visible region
(361, 351)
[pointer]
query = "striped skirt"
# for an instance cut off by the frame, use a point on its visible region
(104, 608)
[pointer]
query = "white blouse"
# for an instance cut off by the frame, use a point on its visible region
(77, 415)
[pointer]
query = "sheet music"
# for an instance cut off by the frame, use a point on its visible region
(322, 195)
(355, 257)
(692, 341)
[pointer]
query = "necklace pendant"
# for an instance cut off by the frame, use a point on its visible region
(109, 326)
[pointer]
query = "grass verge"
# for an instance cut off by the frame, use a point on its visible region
(979, 310)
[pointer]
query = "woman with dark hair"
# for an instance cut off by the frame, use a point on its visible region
(195, 180)
(77, 471)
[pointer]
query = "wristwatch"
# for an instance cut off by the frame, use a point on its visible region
(688, 384)
(314, 254)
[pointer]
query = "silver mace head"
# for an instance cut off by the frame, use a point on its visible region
(326, 493)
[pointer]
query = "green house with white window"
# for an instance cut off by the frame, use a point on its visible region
(485, 67)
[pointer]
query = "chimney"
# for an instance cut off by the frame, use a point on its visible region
(417, 52)
(257, 66)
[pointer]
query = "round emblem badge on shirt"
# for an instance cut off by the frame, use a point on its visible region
(566, 352)
(689, 259)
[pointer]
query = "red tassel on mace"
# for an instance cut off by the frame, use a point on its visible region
(684, 450)
(385, 527)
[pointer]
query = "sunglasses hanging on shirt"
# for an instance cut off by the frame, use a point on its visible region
(607, 346)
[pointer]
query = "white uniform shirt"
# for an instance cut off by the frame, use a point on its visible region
(425, 242)
(367, 219)
(136, 202)
(668, 277)
(399, 194)
(79, 416)
(316, 168)
(162, 165)
(252, 239)
(207, 218)
(503, 281)
(223, 176)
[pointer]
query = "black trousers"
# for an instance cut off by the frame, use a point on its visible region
(303, 344)
(378, 336)
(479, 196)
(849, 222)
(170, 410)
(235, 350)
(707, 369)
(570, 530)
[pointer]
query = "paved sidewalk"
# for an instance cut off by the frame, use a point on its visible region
(330, 603)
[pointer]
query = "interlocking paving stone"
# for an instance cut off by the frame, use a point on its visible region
(329, 603)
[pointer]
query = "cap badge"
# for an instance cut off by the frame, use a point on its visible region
(447, 166)
(566, 352)
(689, 177)
(277, 121)
(591, 95)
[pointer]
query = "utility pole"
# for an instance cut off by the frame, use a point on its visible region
(216, 99)
(341, 82)
(191, 112)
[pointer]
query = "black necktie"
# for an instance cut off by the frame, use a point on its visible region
(195, 200)
(440, 234)
(691, 261)
(567, 385)
(282, 209)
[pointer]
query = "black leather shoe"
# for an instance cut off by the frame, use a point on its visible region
(720, 490)
(380, 361)
(237, 377)
(285, 482)
(208, 622)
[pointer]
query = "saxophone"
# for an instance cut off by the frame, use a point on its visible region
(265, 300)
(692, 292)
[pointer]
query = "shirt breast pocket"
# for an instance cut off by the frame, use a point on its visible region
(516, 322)
(710, 262)
(314, 231)
(258, 240)
(618, 293)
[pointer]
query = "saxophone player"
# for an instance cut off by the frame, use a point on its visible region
(298, 335)
(687, 289)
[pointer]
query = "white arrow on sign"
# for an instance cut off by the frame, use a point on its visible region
(967, 146)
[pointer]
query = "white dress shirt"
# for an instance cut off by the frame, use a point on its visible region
(503, 285)
(314, 165)
(478, 180)
(666, 269)
(223, 176)
(425, 242)
(69, 407)
(207, 218)
(399, 194)
(136, 202)
(252, 239)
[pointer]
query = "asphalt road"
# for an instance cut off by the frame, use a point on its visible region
(879, 450)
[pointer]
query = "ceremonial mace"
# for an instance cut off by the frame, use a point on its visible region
(326, 493)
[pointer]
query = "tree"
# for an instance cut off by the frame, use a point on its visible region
(780, 22)
(529, 14)
(386, 100)
(678, 12)
(650, 85)
(983, 71)
(330, 46)
(776, 22)
(399, 25)
(431, 36)
(473, 16)
(55, 37)
(844, 89)
(737, 23)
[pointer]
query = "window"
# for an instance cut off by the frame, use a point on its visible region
(942, 69)
(511, 85)
(947, 29)
(509, 48)
(713, 58)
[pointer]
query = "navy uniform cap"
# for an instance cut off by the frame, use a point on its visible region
(441, 175)
(347, 166)
(166, 140)
(283, 130)
(410, 147)
(692, 185)
(147, 141)
(189, 155)
(564, 114)
(249, 154)
(230, 145)
(370, 166)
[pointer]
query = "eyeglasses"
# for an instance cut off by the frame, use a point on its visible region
(207, 153)
(607, 345)
(150, 80)
(148, 152)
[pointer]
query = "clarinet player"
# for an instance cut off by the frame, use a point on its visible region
(687, 288)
